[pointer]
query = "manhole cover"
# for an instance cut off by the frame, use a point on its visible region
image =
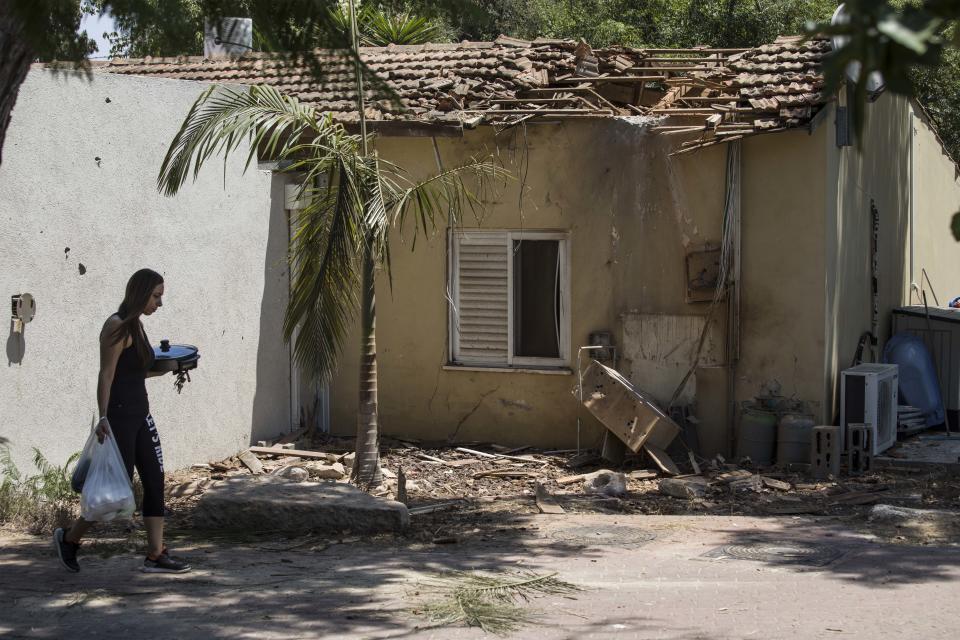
(606, 535)
(778, 553)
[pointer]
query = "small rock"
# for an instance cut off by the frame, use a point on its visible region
(289, 445)
(293, 472)
(388, 474)
(334, 471)
(687, 488)
(604, 482)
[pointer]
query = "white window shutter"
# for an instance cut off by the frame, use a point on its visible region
(481, 315)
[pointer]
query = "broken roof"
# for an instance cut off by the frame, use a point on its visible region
(725, 91)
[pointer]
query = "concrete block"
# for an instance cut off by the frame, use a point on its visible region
(825, 451)
(860, 448)
(259, 503)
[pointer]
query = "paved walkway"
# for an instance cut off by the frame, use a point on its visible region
(643, 577)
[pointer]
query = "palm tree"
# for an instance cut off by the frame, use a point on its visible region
(340, 237)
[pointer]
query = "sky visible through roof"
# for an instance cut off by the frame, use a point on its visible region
(95, 27)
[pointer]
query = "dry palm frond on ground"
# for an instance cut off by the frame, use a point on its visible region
(487, 601)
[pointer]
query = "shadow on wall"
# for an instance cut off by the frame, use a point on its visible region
(271, 402)
(16, 346)
(879, 174)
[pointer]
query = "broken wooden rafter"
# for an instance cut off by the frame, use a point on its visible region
(693, 50)
(533, 100)
(603, 79)
(277, 451)
(503, 456)
(666, 69)
(682, 59)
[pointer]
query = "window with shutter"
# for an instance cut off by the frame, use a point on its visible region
(508, 298)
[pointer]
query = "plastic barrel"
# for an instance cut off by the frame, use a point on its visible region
(793, 437)
(757, 436)
(917, 376)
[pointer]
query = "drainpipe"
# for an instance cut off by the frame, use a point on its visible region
(734, 166)
(912, 197)
(291, 206)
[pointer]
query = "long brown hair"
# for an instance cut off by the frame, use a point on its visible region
(140, 287)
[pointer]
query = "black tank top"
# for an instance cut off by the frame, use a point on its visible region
(128, 393)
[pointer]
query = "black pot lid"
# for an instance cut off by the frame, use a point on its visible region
(174, 351)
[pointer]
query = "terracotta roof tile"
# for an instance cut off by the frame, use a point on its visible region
(769, 87)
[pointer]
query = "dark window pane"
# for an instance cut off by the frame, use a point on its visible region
(536, 298)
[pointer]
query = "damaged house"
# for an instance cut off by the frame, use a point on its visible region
(703, 215)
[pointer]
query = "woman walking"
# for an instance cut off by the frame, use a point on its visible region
(125, 361)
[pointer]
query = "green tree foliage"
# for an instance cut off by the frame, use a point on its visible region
(654, 23)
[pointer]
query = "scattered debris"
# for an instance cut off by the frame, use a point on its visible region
(583, 460)
(252, 462)
(401, 486)
(292, 472)
(606, 482)
(688, 488)
(547, 503)
(773, 483)
(334, 471)
(661, 459)
(280, 451)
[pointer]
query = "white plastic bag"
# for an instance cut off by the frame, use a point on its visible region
(107, 492)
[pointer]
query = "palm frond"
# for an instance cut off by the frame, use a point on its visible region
(381, 28)
(488, 601)
(8, 467)
(449, 193)
(326, 245)
(223, 118)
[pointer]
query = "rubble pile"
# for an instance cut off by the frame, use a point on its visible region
(493, 479)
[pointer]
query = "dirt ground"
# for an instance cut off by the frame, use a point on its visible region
(648, 565)
(474, 491)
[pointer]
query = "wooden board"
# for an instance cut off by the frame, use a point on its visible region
(546, 503)
(625, 410)
(661, 459)
(252, 462)
(277, 451)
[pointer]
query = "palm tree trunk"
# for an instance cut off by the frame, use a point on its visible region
(15, 57)
(366, 466)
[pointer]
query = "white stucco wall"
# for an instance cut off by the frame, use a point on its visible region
(220, 247)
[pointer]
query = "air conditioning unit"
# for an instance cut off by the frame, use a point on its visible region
(868, 395)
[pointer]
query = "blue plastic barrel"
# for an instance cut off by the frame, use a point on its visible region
(917, 376)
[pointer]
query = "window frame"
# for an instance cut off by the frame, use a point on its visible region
(453, 299)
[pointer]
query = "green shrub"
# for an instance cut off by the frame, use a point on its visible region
(38, 502)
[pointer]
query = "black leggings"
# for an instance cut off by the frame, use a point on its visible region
(139, 445)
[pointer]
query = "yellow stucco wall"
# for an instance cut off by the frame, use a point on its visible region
(894, 138)
(937, 191)
(631, 212)
(782, 271)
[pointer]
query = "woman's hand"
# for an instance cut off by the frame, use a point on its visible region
(103, 429)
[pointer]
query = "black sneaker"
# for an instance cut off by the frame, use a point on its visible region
(164, 564)
(66, 551)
